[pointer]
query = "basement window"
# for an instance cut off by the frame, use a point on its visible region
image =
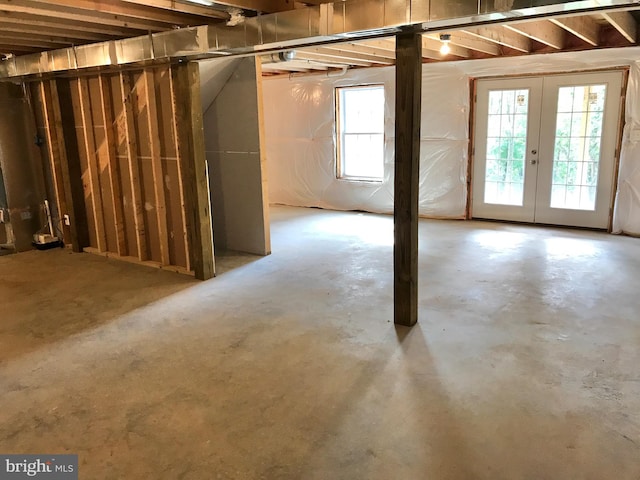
(360, 133)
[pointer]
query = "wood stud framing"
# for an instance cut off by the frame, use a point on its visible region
(156, 165)
(95, 189)
(132, 160)
(112, 166)
(131, 145)
(188, 120)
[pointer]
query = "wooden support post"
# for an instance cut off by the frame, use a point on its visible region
(70, 167)
(406, 183)
(156, 165)
(134, 167)
(112, 165)
(92, 162)
(193, 165)
(181, 174)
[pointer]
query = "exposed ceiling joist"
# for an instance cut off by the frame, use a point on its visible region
(370, 50)
(74, 36)
(387, 44)
(45, 22)
(16, 49)
(28, 26)
(35, 8)
(177, 6)
(139, 11)
(328, 59)
(624, 23)
(583, 27)
(33, 42)
(338, 51)
(541, 31)
(469, 42)
(266, 6)
(502, 36)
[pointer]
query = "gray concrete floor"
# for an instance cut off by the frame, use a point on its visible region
(525, 363)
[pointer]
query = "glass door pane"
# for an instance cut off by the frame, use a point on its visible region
(507, 124)
(506, 145)
(577, 142)
(578, 138)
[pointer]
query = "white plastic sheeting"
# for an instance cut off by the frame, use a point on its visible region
(300, 134)
(300, 142)
(626, 217)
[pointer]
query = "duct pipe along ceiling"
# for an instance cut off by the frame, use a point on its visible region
(330, 22)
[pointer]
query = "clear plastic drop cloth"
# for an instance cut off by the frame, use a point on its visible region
(301, 146)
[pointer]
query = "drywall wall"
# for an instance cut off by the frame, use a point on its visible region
(20, 163)
(300, 128)
(233, 148)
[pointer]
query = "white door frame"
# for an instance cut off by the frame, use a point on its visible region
(539, 158)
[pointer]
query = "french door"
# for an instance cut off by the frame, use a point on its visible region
(545, 147)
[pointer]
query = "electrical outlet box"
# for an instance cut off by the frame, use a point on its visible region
(67, 220)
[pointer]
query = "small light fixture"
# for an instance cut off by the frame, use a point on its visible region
(204, 3)
(445, 38)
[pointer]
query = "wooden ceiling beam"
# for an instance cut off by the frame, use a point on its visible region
(343, 53)
(430, 48)
(385, 44)
(17, 50)
(502, 36)
(543, 31)
(369, 50)
(33, 42)
(265, 6)
(43, 22)
(624, 23)
(30, 7)
(139, 11)
(329, 59)
(36, 37)
(583, 27)
(466, 41)
(307, 64)
(178, 7)
(74, 36)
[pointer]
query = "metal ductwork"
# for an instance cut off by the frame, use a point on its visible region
(279, 57)
(325, 23)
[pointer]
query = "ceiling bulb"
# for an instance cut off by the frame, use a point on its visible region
(205, 3)
(445, 38)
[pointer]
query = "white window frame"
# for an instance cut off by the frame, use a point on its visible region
(340, 134)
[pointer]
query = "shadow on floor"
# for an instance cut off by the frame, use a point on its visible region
(48, 296)
(227, 260)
